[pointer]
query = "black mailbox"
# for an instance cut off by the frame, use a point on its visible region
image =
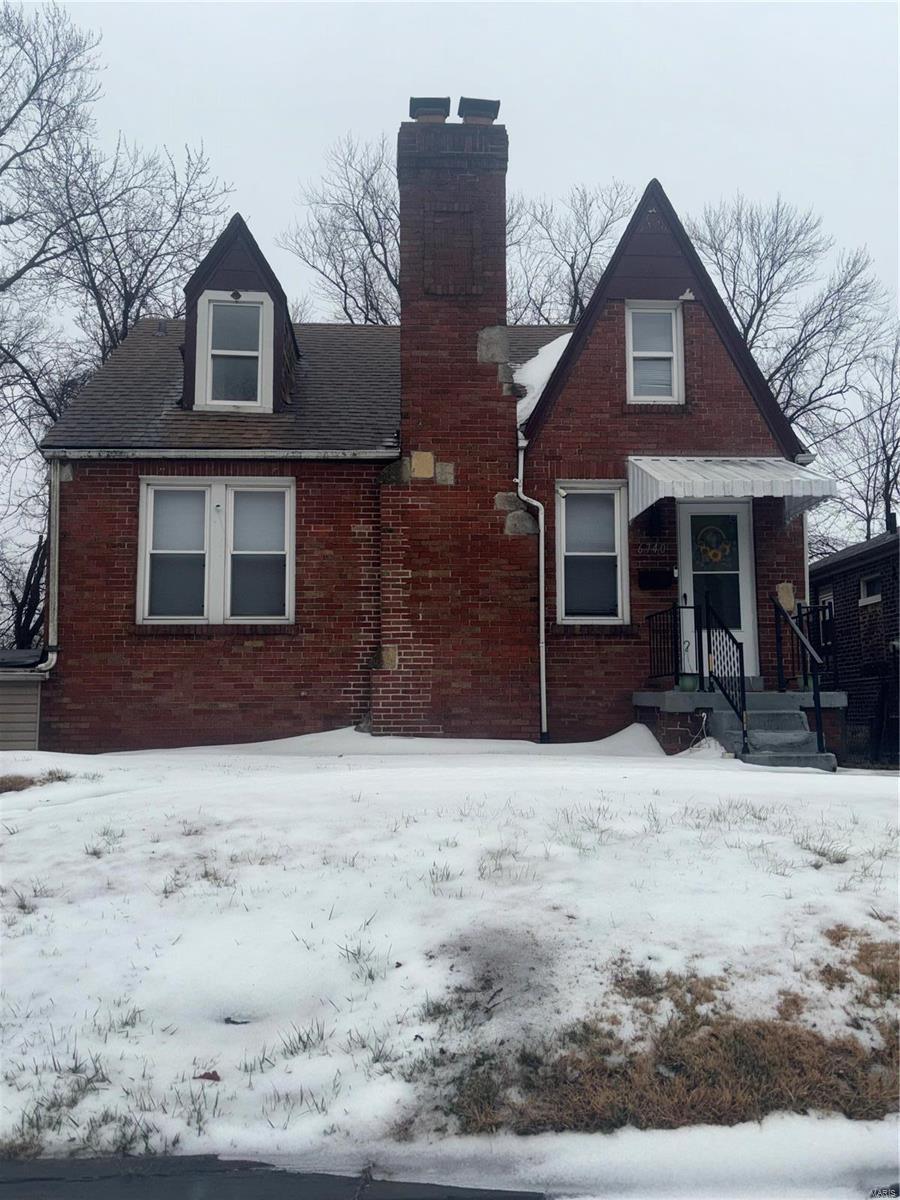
(653, 578)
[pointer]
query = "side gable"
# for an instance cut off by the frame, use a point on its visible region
(236, 263)
(655, 259)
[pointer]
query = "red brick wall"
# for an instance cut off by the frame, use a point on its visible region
(459, 617)
(593, 669)
(866, 663)
(119, 685)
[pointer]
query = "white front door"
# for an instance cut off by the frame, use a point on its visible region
(715, 558)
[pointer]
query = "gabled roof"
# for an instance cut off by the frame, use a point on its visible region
(237, 229)
(345, 396)
(655, 199)
(884, 545)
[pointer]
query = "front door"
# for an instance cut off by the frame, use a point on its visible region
(715, 558)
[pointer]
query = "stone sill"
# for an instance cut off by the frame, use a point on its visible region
(214, 631)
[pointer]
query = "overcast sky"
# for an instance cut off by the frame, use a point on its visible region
(793, 98)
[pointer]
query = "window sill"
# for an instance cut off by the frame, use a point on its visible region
(629, 632)
(655, 404)
(865, 601)
(231, 630)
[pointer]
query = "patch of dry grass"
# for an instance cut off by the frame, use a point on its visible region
(833, 975)
(790, 1005)
(880, 963)
(719, 1072)
(19, 783)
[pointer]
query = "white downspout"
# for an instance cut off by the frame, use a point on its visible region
(52, 595)
(542, 621)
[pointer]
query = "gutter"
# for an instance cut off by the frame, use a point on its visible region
(52, 595)
(51, 453)
(542, 616)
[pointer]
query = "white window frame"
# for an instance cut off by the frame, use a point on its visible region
(863, 580)
(219, 505)
(675, 311)
(203, 374)
(618, 488)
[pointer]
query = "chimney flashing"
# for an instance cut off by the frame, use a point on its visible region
(429, 109)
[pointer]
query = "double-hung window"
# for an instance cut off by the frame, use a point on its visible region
(234, 351)
(216, 552)
(592, 553)
(870, 589)
(653, 336)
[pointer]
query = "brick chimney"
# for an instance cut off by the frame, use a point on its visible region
(457, 583)
(452, 181)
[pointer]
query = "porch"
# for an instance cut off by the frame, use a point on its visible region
(735, 627)
(693, 695)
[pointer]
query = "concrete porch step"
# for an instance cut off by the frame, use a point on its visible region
(781, 739)
(820, 762)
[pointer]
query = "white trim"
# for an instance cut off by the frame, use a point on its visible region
(218, 491)
(51, 453)
(618, 489)
(743, 510)
(203, 369)
(677, 355)
(863, 599)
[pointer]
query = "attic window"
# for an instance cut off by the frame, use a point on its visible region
(234, 352)
(655, 356)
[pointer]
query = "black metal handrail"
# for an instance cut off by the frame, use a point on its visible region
(725, 667)
(817, 622)
(803, 654)
(665, 629)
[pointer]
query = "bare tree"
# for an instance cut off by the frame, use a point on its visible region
(810, 328)
(47, 87)
(865, 453)
(561, 249)
(101, 239)
(350, 237)
(147, 223)
(22, 610)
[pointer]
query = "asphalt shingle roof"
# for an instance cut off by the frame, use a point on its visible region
(874, 547)
(346, 395)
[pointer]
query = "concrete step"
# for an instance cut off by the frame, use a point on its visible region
(761, 758)
(769, 743)
(778, 721)
(782, 739)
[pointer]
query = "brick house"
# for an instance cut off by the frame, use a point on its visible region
(860, 589)
(448, 528)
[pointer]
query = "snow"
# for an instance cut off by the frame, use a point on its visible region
(334, 883)
(534, 374)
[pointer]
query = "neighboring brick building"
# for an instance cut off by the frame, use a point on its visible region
(263, 529)
(861, 586)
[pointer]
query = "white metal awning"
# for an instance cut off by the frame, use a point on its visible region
(651, 479)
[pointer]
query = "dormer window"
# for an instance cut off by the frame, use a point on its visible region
(234, 352)
(655, 354)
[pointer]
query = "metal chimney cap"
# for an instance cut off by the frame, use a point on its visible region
(478, 112)
(429, 108)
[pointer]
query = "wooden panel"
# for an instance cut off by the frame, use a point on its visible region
(19, 714)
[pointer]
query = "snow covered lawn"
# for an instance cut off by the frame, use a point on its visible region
(298, 949)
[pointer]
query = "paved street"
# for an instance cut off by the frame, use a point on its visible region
(204, 1178)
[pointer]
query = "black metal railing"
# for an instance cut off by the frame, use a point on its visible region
(667, 643)
(816, 622)
(725, 667)
(797, 656)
